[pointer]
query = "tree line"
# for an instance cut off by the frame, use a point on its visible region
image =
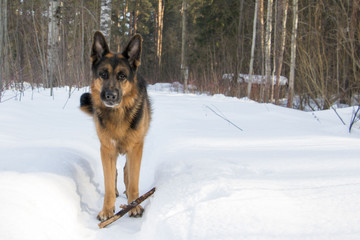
(315, 44)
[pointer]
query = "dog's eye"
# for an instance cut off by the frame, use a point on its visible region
(104, 74)
(121, 76)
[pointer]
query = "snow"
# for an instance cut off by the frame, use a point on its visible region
(287, 175)
(258, 79)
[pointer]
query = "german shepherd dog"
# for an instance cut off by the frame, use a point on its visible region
(121, 109)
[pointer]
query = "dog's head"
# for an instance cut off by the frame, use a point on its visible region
(114, 73)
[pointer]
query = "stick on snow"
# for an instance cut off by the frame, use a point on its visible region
(126, 209)
(223, 117)
(354, 118)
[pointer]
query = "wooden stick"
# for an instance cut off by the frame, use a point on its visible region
(126, 209)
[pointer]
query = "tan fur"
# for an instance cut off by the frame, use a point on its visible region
(127, 141)
(116, 135)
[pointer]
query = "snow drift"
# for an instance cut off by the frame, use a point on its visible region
(287, 175)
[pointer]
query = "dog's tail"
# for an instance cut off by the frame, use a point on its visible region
(86, 104)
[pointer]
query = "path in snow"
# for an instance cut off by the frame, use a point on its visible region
(287, 175)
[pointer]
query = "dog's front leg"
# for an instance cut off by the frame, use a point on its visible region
(108, 157)
(131, 177)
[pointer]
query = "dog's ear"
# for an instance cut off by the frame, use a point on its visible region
(99, 47)
(133, 51)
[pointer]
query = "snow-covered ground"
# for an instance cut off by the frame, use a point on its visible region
(258, 79)
(287, 175)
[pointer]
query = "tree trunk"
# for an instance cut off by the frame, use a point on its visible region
(275, 49)
(262, 41)
(4, 60)
(135, 15)
(352, 41)
(268, 50)
(235, 86)
(105, 19)
(1, 44)
(159, 29)
(184, 69)
(293, 54)
(133, 6)
(159, 23)
(52, 43)
(40, 49)
(252, 50)
(284, 6)
(124, 17)
(82, 63)
(131, 19)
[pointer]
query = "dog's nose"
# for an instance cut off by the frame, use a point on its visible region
(111, 95)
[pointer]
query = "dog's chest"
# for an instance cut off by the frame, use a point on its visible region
(113, 127)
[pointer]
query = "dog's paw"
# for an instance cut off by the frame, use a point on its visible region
(136, 211)
(105, 214)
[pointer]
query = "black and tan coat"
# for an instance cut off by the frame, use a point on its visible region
(121, 110)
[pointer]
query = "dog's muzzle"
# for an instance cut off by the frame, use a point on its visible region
(111, 98)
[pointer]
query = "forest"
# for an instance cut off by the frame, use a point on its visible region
(202, 44)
